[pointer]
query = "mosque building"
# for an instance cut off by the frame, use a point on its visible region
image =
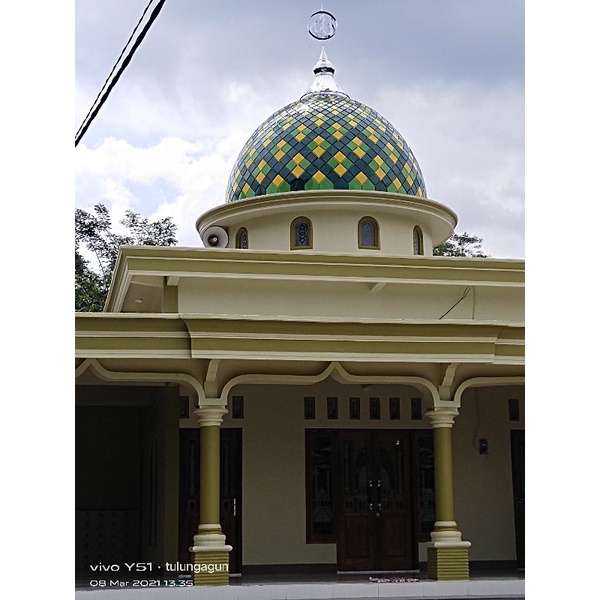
(313, 389)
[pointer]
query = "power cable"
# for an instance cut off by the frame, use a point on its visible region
(94, 111)
(464, 295)
(115, 65)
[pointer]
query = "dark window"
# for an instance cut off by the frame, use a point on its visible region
(332, 408)
(319, 486)
(237, 407)
(184, 407)
(416, 412)
(394, 409)
(417, 241)
(513, 409)
(354, 408)
(309, 407)
(374, 409)
(368, 233)
(301, 234)
(241, 238)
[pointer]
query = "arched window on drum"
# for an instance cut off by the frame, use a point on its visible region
(241, 238)
(301, 234)
(417, 241)
(368, 233)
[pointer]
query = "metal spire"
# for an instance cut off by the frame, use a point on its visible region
(324, 82)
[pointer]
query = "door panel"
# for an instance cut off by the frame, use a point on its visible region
(356, 541)
(518, 470)
(189, 493)
(231, 494)
(394, 523)
(375, 519)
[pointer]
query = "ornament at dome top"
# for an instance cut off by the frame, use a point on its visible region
(322, 25)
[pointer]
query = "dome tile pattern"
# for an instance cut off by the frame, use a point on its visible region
(325, 141)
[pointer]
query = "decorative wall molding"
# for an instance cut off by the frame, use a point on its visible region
(141, 377)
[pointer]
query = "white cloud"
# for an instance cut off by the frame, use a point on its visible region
(191, 176)
(203, 80)
(469, 142)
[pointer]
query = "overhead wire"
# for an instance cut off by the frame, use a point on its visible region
(92, 113)
(464, 295)
(115, 65)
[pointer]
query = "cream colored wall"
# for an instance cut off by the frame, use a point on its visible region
(263, 233)
(273, 450)
(348, 299)
(499, 303)
(483, 484)
(334, 230)
(274, 524)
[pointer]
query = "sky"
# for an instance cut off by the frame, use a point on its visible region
(448, 74)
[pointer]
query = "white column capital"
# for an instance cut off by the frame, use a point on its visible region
(442, 417)
(210, 415)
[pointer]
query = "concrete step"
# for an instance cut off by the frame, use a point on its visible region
(488, 589)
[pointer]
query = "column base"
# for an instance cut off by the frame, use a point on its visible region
(448, 561)
(211, 568)
(211, 556)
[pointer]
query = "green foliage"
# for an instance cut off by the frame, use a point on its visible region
(462, 244)
(93, 231)
(89, 286)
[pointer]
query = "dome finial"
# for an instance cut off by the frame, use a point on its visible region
(324, 82)
(322, 26)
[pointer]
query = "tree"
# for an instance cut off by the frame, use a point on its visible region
(462, 244)
(89, 286)
(93, 231)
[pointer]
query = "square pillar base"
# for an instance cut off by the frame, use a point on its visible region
(447, 563)
(211, 568)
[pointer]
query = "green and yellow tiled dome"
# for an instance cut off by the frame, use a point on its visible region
(325, 141)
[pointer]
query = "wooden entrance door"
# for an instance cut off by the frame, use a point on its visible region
(231, 492)
(517, 439)
(375, 528)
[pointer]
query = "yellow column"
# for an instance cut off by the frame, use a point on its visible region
(211, 553)
(447, 553)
